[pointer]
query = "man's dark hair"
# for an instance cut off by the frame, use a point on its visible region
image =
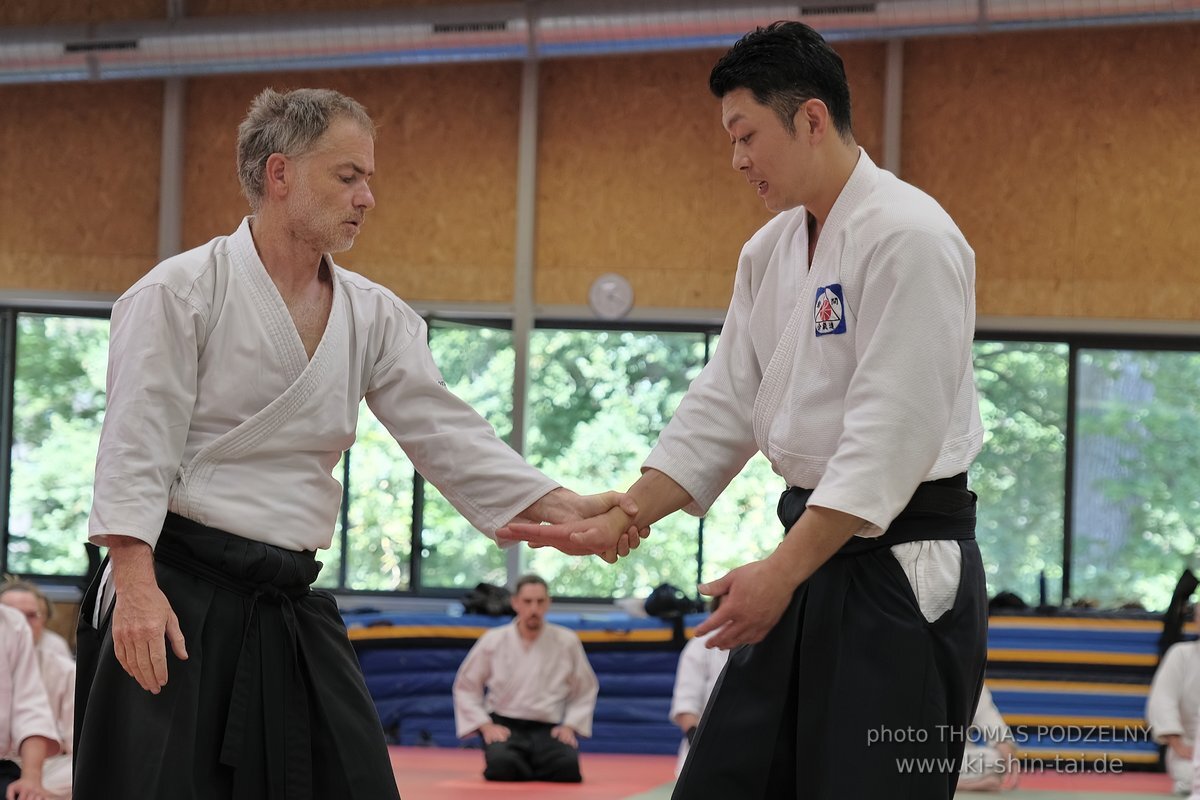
(783, 65)
(525, 580)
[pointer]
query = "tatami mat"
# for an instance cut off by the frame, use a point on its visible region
(430, 773)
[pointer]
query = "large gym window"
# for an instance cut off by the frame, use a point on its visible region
(1020, 473)
(597, 401)
(57, 396)
(1136, 489)
(1086, 436)
(477, 363)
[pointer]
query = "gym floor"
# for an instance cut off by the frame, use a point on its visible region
(430, 773)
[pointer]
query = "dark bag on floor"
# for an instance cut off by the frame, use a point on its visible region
(492, 601)
(668, 602)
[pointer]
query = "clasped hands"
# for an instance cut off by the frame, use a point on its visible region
(579, 525)
(605, 525)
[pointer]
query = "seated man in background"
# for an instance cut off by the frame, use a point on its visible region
(697, 673)
(27, 730)
(540, 694)
(26, 597)
(989, 763)
(57, 669)
(1171, 708)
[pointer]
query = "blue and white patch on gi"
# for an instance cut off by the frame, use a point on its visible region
(830, 314)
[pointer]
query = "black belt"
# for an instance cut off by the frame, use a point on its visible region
(939, 509)
(517, 724)
(272, 579)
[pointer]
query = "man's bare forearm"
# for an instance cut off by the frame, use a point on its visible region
(816, 536)
(34, 751)
(657, 495)
(132, 562)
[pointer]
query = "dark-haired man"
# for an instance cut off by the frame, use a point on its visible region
(529, 691)
(846, 359)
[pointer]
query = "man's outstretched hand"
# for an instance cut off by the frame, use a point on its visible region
(579, 525)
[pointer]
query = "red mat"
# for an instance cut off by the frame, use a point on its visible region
(431, 773)
(1090, 782)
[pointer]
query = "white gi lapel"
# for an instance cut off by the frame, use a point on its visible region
(306, 376)
(779, 368)
(783, 360)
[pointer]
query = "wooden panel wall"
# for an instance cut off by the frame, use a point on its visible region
(634, 176)
(204, 8)
(79, 200)
(59, 12)
(444, 225)
(1070, 161)
(56, 12)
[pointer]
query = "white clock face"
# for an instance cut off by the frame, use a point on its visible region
(611, 296)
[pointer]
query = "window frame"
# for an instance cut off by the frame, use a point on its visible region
(1075, 341)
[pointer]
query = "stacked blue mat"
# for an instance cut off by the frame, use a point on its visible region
(410, 660)
(1072, 687)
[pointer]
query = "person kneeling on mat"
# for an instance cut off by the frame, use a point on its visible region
(540, 694)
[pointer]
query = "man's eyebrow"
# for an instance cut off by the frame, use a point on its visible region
(356, 168)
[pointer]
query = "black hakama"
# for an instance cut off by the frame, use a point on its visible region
(269, 705)
(853, 695)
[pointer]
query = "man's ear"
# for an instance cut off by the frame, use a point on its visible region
(812, 120)
(276, 175)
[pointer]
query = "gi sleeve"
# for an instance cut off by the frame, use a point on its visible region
(988, 721)
(1166, 695)
(913, 346)
(58, 675)
(689, 696)
(470, 713)
(153, 360)
(711, 435)
(29, 712)
(581, 697)
(452, 447)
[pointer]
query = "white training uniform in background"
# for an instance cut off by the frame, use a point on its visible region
(982, 757)
(58, 676)
(823, 408)
(52, 643)
(216, 412)
(1172, 705)
(24, 707)
(547, 680)
(695, 676)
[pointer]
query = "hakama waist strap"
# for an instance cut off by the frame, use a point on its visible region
(939, 509)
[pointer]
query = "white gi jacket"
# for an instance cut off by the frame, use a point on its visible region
(695, 676)
(216, 412)
(58, 676)
(854, 377)
(24, 707)
(1174, 698)
(548, 680)
(52, 643)
(1173, 705)
(983, 756)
